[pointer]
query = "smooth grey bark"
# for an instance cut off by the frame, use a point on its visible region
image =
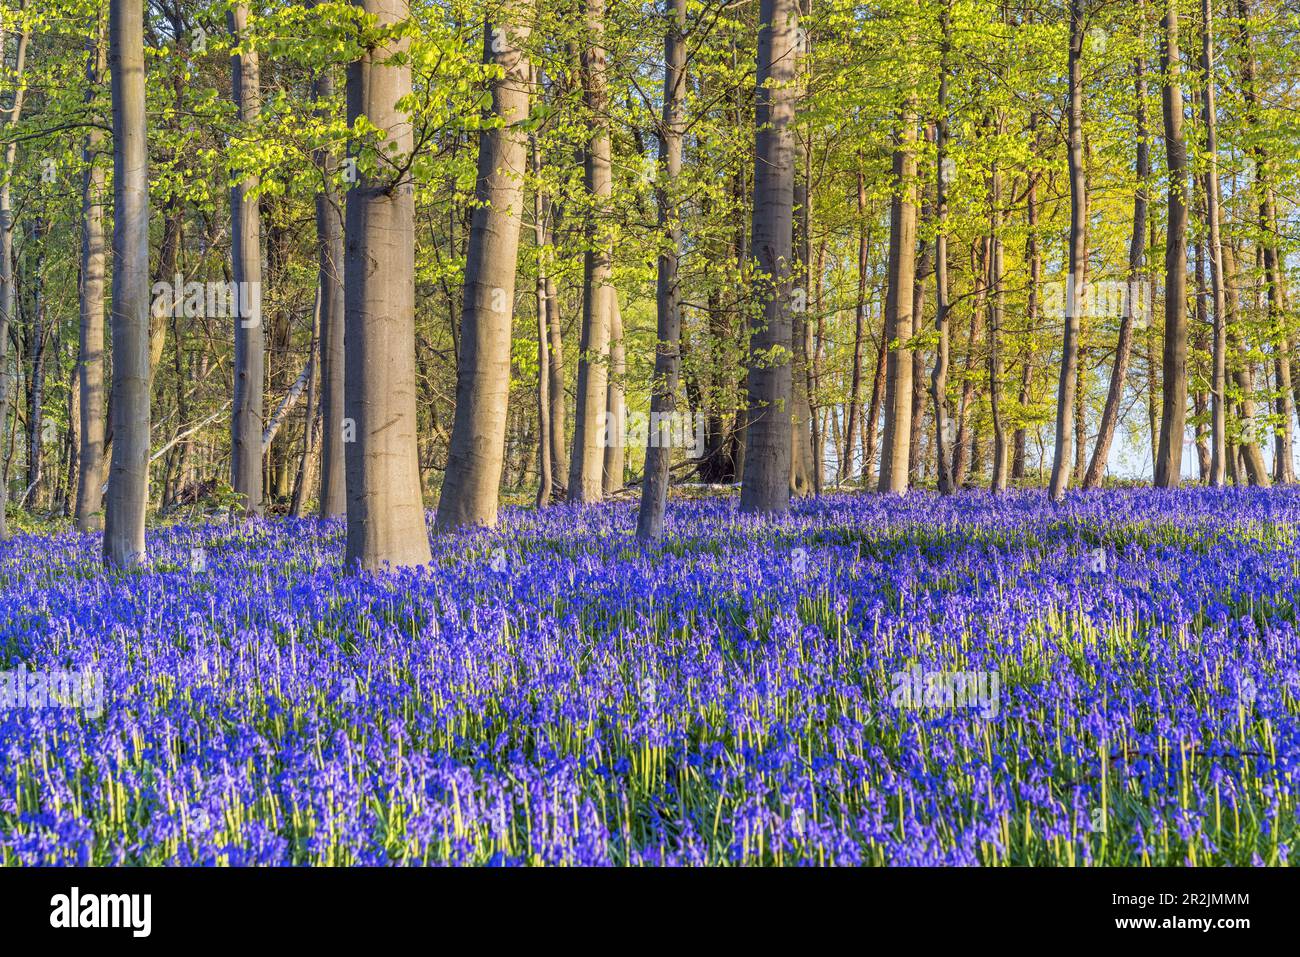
(329, 253)
(901, 276)
(385, 514)
(38, 336)
(765, 485)
(471, 489)
(1173, 409)
(920, 385)
(8, 295)
(853, 414)
(90, 342)
(246, 270)
(939, 377)
(545, 443)
(1136, 259)
(311, 415)
(997, 300)
(128, 483)
(587, 463)
(668, 362)
(1067, 385)
(803, 464)
(1218, 379)
(615, 403)
(1252, 459)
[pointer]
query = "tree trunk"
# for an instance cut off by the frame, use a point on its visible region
(850, 430)
(1033, 256)
(128, 484)
(765, 486)
(37, 341)
(311, 415)
(920, 394)
(471, 489)
(90, 364)
(1218, 381)
(385, 512)
(898, 311)
(939, 377)
(246, 267)
(1067, 385)
(1173, 412)
(663, 391)
(1133, 291)
(545, 444)
(8, 297)
(615, 405)
(962, 442)
(329, 254)
(586, 465)
(1252, 459)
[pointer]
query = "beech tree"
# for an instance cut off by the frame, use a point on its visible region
(128, 482)
(385, 512)
(470, 489)
(766, 484)
(246, 262)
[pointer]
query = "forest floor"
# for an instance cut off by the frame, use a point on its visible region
(974, 679)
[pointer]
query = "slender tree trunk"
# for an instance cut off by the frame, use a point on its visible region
(90, 366)
(38, 339)
(90, 363)
(802, 481)
(586, 465)
(472, 485)
(1252, 459)
(1218, 381)
(311, 415)
(898, 311)
(963, 445)
(559, 448)
(1173, 413)
(8, 297)
(545, 444)
(920, 393)
(1067, 386)
(615, 405)
(850, 430)
(329, 255)
(939, 377)
(663, 392)
(128, 484)
(1033, 256)
(765, 486)
(998, 481)
(385, 513)
(1133, 291)
(246, 267)
(815, 377)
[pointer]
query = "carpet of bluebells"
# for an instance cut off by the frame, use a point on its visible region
(551, 692)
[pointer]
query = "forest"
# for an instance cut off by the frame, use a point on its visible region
(953, 244)
(694, 432)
